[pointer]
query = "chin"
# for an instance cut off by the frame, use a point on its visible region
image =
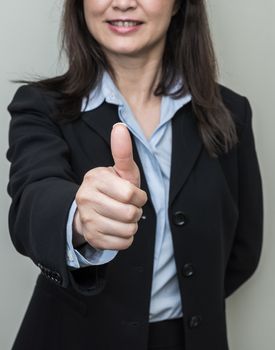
(124, 51)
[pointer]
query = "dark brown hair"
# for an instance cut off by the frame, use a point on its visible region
(188, 55)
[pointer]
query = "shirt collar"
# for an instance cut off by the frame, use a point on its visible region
(104, 91)
(107, 91)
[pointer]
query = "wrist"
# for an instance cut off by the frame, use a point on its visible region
(78, 238)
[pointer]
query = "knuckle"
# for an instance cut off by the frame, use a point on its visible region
(126, 243)
(79, 194)
(89, 175)
(85, 219)
(144, 197)
(140, 212)
(80, 198)
(133, 229)
(94, 173)
(131, 213)
(130, 241)
(128, 193)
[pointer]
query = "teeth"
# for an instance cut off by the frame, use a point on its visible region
(124, 23)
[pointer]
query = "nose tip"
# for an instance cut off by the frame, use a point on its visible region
(124, 5)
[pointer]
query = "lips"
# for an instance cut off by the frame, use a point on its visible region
(124, 23)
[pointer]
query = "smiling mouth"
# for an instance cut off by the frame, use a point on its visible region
(126, 24)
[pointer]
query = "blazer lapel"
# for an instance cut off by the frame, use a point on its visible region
(102, 119)
(186, 146)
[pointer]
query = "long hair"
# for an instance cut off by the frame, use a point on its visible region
(188, 55)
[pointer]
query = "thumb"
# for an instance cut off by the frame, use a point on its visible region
(122, 152)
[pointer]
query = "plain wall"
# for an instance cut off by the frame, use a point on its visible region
(244, 37)
(28, 47)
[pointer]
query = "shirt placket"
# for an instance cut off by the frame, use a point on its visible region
(149, 162)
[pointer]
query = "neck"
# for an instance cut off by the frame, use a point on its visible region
(137, 78)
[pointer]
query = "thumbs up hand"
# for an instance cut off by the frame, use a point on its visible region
(109, 199)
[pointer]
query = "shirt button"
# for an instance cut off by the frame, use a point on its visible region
(179, 218)
(195, 321)
(188, 270)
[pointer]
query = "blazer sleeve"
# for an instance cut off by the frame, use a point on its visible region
(247, 245)
(42, 187)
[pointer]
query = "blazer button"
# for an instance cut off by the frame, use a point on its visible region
(179, 218)
(195, 321)
(188, 270)
(42, 268)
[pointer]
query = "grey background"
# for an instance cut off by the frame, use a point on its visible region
(244, 37)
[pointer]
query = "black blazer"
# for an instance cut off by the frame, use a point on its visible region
(215, 213)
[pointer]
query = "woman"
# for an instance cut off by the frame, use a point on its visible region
(141, 229)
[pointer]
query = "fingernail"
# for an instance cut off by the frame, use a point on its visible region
(120, 124)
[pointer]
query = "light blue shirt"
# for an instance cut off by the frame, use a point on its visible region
(155, 156)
